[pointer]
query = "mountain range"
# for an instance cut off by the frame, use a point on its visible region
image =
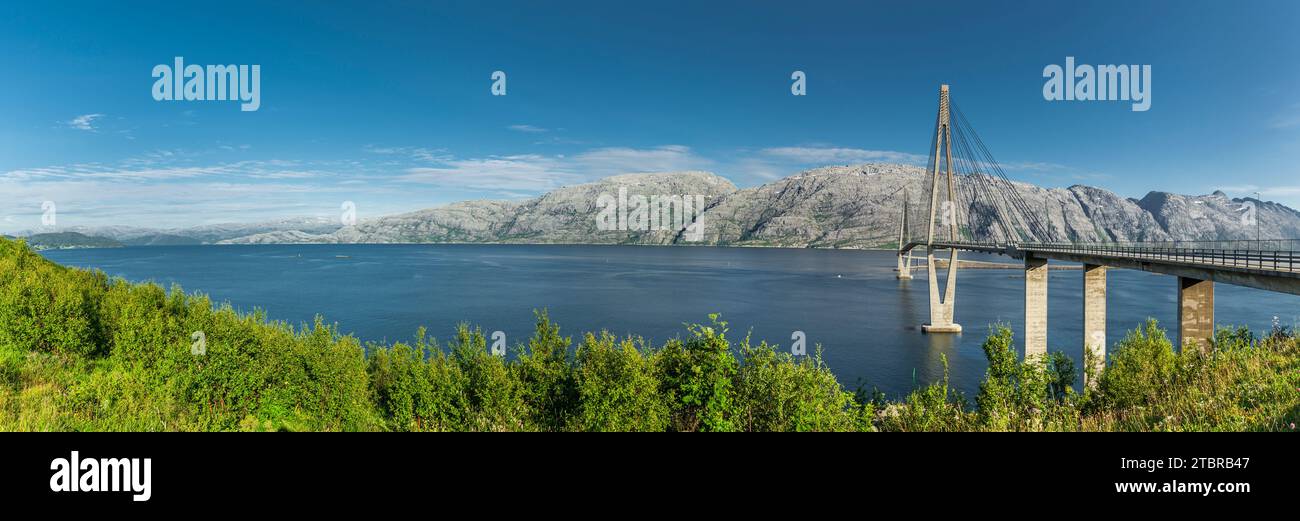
(857, 206)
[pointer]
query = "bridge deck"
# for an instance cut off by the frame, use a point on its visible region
(1270, 269)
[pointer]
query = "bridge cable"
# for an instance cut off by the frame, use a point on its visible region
(983, 157)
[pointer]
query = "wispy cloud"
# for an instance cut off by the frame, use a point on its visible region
(1282, 191)
(1033, 166)
(828, 155)
(514, 175)
(428, 155)
(84, 122)
(170, 188)
(1238, 189)
(620, 160)
(1287, 118)
(383, 150)
(151, 169)
(532, 173)
(528, 128)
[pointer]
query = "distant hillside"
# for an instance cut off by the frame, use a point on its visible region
(67, 240)
(832, 207)
(204, 234)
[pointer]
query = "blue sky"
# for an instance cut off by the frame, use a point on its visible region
(389, 104)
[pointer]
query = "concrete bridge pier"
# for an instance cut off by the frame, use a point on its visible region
(1195, 313)
(1035, 306)
(905, 265)
(941, 309)
(1094, 319)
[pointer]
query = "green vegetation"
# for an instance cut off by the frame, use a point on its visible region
(80, 351)
(62, 240)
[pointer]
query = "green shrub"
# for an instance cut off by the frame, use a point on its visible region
(698, 375)
(545, 377)
(493, 396)
(617, 387)
(1033, 394)
(935, 407)
(48, 308)
(1141, 369)
(417, 387)
(781, 392)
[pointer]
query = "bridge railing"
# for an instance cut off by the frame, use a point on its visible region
(1241, 244)
(1268, 254)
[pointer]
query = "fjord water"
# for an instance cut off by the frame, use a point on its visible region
(847, 301)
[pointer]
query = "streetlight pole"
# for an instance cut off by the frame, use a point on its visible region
(1257, 203)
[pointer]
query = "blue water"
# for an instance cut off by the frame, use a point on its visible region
(848, 301)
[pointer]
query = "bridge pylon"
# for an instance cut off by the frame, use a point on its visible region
(904, 253)
(941, 306)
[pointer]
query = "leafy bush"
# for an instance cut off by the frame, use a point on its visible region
(698, 376)
(1142, 369)
(1022, 395)
(934, 407)
(1243, 384)
(545, 377)
(418, 387)
(617, 387)
(780, 392)
(494, 399)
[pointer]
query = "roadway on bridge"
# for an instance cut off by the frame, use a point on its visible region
(1273, 270)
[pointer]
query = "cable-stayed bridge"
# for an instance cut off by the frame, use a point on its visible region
(973, 206)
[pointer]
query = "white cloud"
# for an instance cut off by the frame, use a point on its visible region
(528, 128)
(84, 122)
(1032, 166)
(152, 169)
(1281, 191)
(428, 155)
(1250, 189)
(840, 155)
(528, 172)
(602, 162)
(535, 173)
(1289, 117)
(382, 150)
(1238, 189)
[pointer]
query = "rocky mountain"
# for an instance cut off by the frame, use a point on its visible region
(1218, 217)
(832, 207)
(563, 216)
(860, 207)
